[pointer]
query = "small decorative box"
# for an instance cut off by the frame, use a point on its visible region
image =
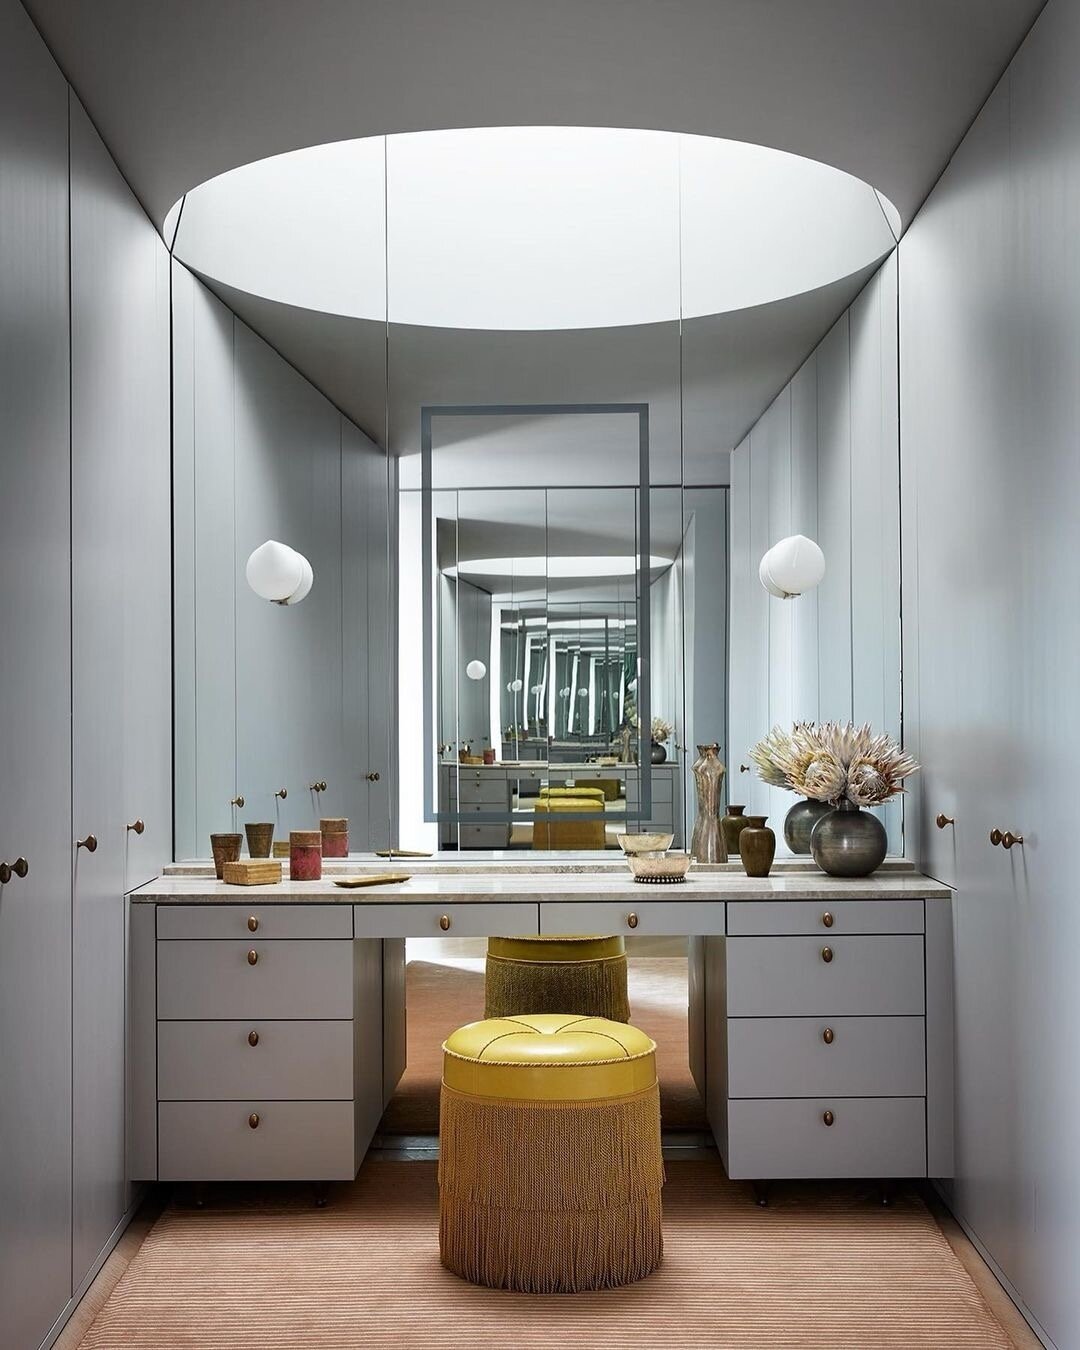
(335, 836)
(305, 855)
(248, 872)
(281, 848)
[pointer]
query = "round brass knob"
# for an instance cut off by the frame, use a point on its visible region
(319, 786)
(5, 873)
(253, 957)
(137, 826)
(237, 801)
(282, 793)
(631, 921)
(826, 954)
(253, 923)
(20, 867)
(828, 1117)
(828, 1035)
(253, 1038)
(827, 919)
(1008, 839)
(89, 843)
(253, 1120)
(444, 922)
(996, 837)
(941, 820)
(374, 777)
(744, 768)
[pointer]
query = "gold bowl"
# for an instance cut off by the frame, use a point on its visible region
(637, 844)
(669, 867)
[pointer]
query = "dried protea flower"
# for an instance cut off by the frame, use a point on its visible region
(771, 756)
(825, 778)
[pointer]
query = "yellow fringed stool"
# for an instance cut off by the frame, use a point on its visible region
(550, 1167)
(551, 830)
(553, 974)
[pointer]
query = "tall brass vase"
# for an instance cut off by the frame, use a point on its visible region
(708, 769)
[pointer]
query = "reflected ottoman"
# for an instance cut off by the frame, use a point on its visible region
(584, 975)
(550, 1168)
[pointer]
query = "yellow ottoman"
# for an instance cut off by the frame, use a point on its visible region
(585, 975)
(553, 833)
(550, 1167)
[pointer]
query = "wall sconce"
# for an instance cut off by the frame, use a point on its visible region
(476, 670)
(278, 573)
(792, 567)
(514, 686)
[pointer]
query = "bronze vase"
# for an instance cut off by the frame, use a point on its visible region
(260, 837)
(225, 848)
(757, 847)
(849, 842)
(731, 827)
(708, 769)
(800, 821)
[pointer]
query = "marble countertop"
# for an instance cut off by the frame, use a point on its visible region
(535, 887)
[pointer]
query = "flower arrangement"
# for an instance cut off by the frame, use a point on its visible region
(834, 762)
(661, 730)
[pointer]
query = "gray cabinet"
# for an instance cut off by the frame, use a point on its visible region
(35, 689)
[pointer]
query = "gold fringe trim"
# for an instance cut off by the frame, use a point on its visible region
(550, 1197)
(583, 988)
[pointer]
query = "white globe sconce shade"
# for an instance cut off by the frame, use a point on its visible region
(278, 573)
(476, 670)
(515, 686)
(792, 567)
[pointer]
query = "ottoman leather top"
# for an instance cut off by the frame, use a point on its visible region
(556, 948)
(549, 1057)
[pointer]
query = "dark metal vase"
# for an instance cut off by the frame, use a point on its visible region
(658, 754)
(849, 842)
(731, 827)
(800, 821)
(757, 847)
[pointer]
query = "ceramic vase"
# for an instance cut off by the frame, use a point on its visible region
(800, 821)
(260, 837)
(731, 827)
(849, 842)
(757, 847)
(706, 844)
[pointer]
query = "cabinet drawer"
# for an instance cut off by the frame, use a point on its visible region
(484, 836)
(294, 1141)
(215, 981)
(499, 920)
(702, 918)
(662, 789)
(789, 977)
(271, 921)
(869, 1137)
(495, 794)
(767, 917)
(290, 1061)
(789, 1057)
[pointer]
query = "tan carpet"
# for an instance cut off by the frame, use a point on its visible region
(443, 997)
(824, 1267)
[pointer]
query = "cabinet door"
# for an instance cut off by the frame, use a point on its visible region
(35, 689)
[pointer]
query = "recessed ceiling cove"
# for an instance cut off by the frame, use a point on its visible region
(532, 228)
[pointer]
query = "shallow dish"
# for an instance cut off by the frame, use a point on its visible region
(632, 844)
(672, 867)
(375, 879)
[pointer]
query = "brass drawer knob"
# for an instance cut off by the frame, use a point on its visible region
(941, 820)
(253, 1038)
(827, 919)
(253, 957)
(5, 873)
(373, 777)
(137, 826)
(826, 954)
(282, 793)
(253, 1120)
(828, 1117)
(996, 837)
(1008, 839)
(20, 867)
(253, 923)
(237, 801)
(319, 786)
(828, 1035)
(444, 922)
(631, 921)
(89, 843)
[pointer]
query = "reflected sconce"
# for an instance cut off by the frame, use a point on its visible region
(476, 670)
(564, 692)
(792, 567)
(277, 573)
(514, 686)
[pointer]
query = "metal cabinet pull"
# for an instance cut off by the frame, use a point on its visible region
(828, 1035)
(253, 923)
(5, 873)
(1008, 839)
(826, 954)
(253, 1120)
(744, 768)
(444, 922)
(137, 826)
(827, 919)
(319, 786)
(237, 801)
(253, 1038)
(631, 921)
(374, 777)
(253, 957)
(89, 843)
(828, 1117)
(282, 793)
(941, 820)
(996, 837)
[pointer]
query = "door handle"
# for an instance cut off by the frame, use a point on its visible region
(373, 777)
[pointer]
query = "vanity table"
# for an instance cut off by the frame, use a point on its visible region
(267, 1025)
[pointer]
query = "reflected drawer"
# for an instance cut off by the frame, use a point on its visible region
(497, 793)
(662, 790)
(293, 1141)
(809, 1056)
(290, 1061)
(464, 920)
(869, 1137)
(484, 836)
(270, 921)
(216, 980)
(765, 917)
(790, 977)
(679, 918)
